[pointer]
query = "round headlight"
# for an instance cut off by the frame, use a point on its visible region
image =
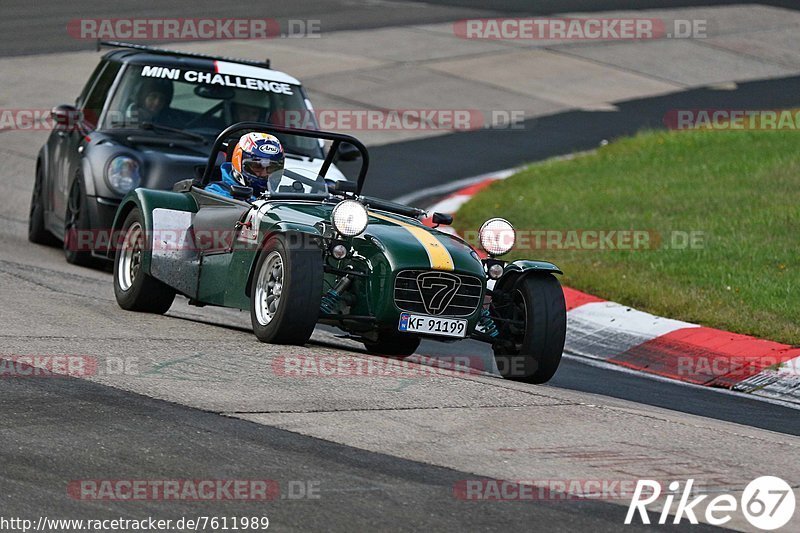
(349, 217)
(497, 236)
(122, 174)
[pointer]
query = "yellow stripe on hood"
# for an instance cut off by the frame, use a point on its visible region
(439, 257)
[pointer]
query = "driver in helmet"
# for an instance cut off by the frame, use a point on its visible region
(255, 158)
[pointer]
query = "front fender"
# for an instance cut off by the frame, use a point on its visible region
(146, 200)
(298, 234)
(527, 265)
(522, 268)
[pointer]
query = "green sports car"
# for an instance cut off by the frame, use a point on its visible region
(311, 250)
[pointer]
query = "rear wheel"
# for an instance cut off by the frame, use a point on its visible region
(134, 289)
(531, 339)
(77, 227)
(286, 292)
(37, 232)
(393, 343)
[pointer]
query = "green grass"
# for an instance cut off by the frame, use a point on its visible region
(741, 189)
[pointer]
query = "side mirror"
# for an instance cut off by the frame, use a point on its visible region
(347, 152)
(240, 192)
(441, 218)
(66, 117)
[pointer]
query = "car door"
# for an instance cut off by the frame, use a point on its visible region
(55, 149)
(69, 143)
(215, 228)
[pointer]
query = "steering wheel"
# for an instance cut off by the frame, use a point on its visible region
(204, 115)
(315, 183)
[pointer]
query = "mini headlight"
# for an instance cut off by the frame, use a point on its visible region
(497, 236)
(122, 174)
(349, 217)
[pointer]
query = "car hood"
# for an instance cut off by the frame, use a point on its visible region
(391, 242)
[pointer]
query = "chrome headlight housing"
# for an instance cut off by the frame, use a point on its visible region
(350, 218)
(122, 174)
(497, 236)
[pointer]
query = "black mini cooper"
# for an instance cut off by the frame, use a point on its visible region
(147, 117)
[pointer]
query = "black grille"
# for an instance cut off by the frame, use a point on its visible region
(437, 293)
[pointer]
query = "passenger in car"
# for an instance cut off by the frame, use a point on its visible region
(153, 100)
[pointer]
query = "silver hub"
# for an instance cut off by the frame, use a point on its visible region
(269, 287)
(131, 256)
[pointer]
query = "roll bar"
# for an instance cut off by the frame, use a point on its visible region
(336, 140)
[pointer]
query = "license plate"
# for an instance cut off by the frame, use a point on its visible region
(447, 327)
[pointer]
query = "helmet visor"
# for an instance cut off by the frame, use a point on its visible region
(261, 168)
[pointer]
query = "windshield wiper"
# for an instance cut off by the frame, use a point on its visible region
(158, 127)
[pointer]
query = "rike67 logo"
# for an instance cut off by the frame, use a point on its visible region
(767, 503)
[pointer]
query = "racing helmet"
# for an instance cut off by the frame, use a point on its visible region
(255, 157)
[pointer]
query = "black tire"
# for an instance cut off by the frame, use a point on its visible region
(77, 226)
(289, 316)
(37, 231)
(532, 355)
(393, 343)
(134, 289)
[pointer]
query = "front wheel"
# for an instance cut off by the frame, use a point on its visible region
(77, 227)
(134, 289)
(37, 232)
(533, 331)
(286, 292)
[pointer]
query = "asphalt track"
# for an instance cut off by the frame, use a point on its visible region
(574, 374)
(143, 438)
(56, 430)
(438, 160)
(39, 27)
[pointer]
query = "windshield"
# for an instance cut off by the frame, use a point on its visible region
(298, 181)
(205, 103)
